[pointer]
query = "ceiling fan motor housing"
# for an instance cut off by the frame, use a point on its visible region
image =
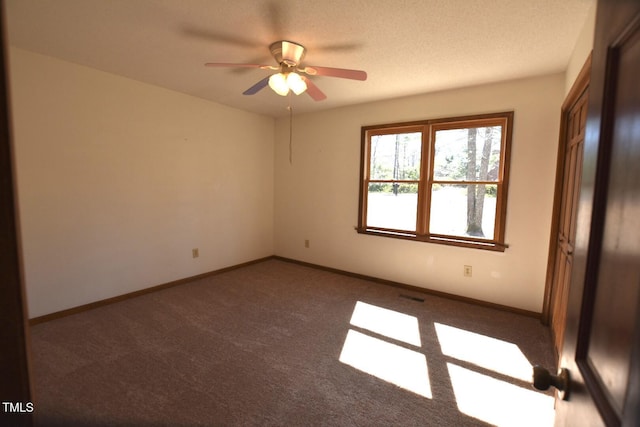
(287, 53)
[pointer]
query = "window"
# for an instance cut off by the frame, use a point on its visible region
(442, 181)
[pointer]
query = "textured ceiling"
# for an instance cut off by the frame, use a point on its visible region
(406, 46)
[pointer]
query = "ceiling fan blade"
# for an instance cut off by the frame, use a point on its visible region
(335, 72)
(274, 12)
(257, 87)
(313, 90)
(228, 64)
(211, 35)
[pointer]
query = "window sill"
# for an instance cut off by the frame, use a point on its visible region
(438, 239)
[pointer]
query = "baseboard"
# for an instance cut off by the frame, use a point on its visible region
(415, 288)
(101, 303)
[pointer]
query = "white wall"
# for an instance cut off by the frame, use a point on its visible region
(582, 49)
(119, 180)
(316, 197)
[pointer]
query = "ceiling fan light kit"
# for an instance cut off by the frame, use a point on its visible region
(296, 84)
(289, 55)
(278, 83)
(282, 83)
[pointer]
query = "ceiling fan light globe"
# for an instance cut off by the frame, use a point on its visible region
(278, 83)
(296, 84)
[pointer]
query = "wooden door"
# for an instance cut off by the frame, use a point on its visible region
(574, 115)
(602, 336)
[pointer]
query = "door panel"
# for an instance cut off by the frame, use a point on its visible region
(603, 320)
(607, 349)
(572, 140)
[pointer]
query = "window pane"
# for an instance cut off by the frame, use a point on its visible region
(396, 156)
(469, 154)
(392, 206)
(463, 210)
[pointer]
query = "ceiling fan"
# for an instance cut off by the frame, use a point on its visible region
(291, 75)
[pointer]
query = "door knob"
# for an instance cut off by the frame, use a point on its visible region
(543, 379)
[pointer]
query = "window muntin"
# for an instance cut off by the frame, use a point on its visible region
(442, 181)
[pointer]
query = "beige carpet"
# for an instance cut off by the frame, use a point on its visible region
(280, 344)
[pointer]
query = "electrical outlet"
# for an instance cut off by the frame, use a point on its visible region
(195, 252)
(306, 243)
(467, 271)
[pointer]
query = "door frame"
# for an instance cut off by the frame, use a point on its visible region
(14, 331)
(579, 85)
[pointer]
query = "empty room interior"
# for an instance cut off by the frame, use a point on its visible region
(197, 249)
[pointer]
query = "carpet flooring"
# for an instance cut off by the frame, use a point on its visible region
(280, 344)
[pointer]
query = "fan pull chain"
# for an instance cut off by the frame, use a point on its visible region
(290, 108)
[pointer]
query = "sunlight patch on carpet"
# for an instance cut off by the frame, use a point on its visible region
(390, 323)
(389, 362)
(498, 402)
(483, 351)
